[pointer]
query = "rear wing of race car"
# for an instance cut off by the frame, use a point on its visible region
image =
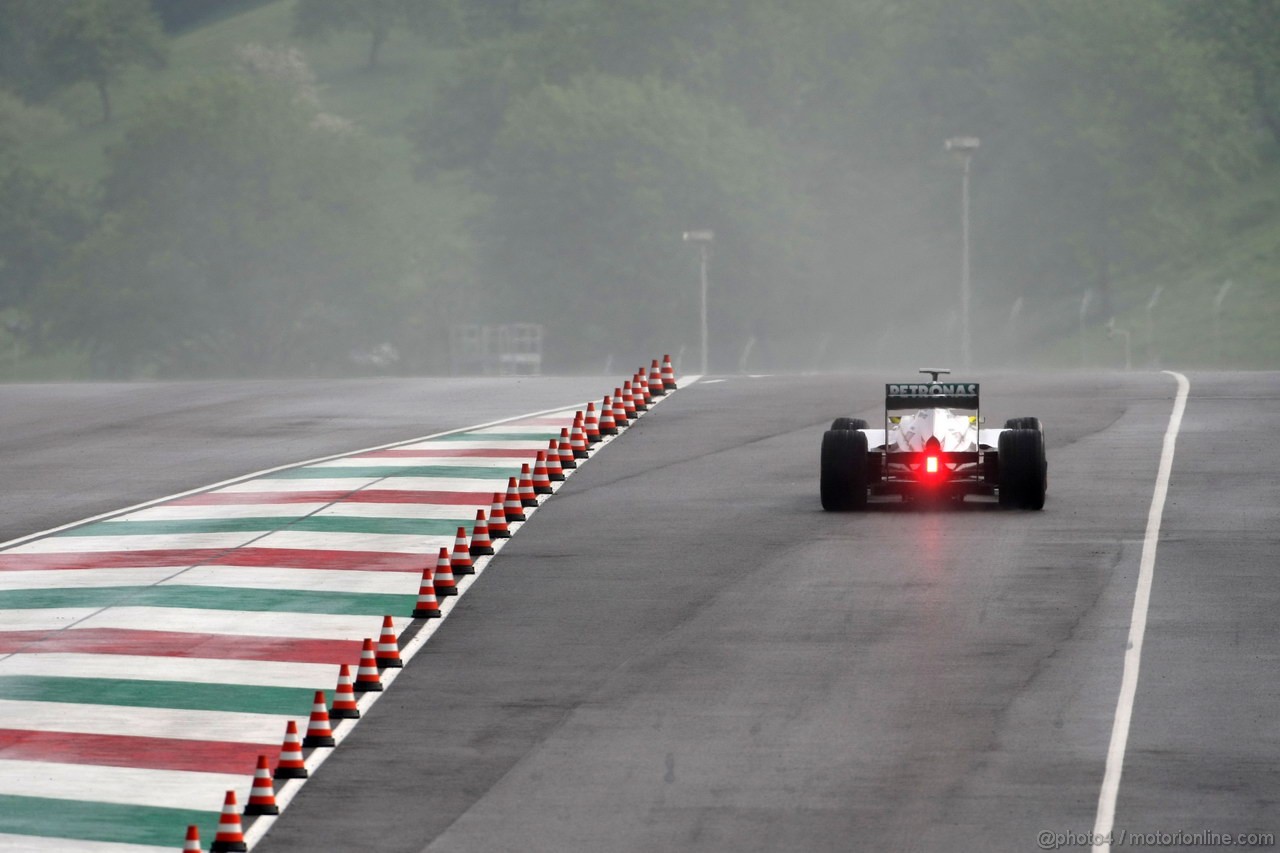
(931, 395)
(900, 397)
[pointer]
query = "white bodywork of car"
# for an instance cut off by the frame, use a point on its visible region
(956, 432)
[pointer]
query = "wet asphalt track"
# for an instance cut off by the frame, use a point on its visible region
(682, 651)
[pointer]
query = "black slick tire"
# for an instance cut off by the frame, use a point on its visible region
(1023, 468)
(844, 470)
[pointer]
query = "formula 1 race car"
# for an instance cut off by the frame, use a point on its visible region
(933, 447)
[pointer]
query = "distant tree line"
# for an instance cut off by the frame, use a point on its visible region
(241, 227)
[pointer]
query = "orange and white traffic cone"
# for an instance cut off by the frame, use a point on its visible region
(656, 388)
(541, 480)
(528, 495)
(568, 459)
(460, 561)
(480, 544)
(619, 409)
(629, 401)
(444, 581)
(639, 393)
(230, 837)
(367, 677)
(344, 696)
(318, 731)
(608, 426)
(428, 606)
(498, 518)
(290, 764)
(262, 796)
(192, 844)
(387, 653)
(578, 439)
(668, 374)
(513, 507)
(591, 425)
(554, 472)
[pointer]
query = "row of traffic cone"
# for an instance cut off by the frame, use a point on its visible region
(291, 764)
(552, 465)
(617, 411)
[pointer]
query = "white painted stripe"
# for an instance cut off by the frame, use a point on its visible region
(144, 722)
(385, 542)
(343, 484)
(83, 578)
(441, 462)
(463, 444)
(515, 428)
(44, 844)
(258, 673)
(486, 485)
(460, 512)
(44, 618)
(136, 542)
(196, 513)
(242, 577)
(423, 484)
(240, 623)
(314, 580)
(130, 786)
(1105, 821)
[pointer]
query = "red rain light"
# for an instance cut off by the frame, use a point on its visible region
(931, 464)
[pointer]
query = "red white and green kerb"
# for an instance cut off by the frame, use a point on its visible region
(147, 659)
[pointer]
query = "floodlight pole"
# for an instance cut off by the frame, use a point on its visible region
(964, 146)
(703, 239)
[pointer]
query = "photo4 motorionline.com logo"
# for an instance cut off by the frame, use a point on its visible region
(1049, 840)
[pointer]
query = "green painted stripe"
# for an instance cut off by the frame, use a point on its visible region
(90, 821)
(310, 524)
(370, 472)
(499, 436)
(212, 598)
(173, 695)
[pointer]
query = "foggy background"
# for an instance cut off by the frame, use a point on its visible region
(331, 187)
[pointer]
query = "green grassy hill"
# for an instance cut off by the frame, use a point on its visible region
(1183, 325)
(1181, 330)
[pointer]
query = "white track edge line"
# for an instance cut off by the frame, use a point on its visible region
(1105, 820)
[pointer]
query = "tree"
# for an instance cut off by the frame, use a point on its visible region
(378, 18)
(40, 219)
(594, 181)
(95, 41)
(239, 235)
(25, 26)
(1245, 34)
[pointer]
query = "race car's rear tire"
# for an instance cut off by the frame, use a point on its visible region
(1024, 423)
(849, 423)
(1023, 468)
(843, 481)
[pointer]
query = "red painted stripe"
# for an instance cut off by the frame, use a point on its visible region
(287, 558)
(448, 453)
(151, 753)
(176, 644)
